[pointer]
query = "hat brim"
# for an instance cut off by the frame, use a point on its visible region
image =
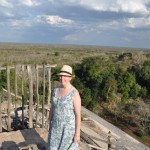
(65, 74)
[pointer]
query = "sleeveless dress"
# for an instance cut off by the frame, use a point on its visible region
(62, 130)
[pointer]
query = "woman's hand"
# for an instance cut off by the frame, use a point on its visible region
(48, 127)
(76, 138)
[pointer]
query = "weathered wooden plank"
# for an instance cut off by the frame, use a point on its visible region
(22, 91)
(12, 94)
(37, 95)
(87, 139)
(43, 101)
(96, 147)
(30, 96)
(94, 136)
(5, 68)
(16, 99)
(9, 98)
(47, 66)
(49, 92)
(49, 85)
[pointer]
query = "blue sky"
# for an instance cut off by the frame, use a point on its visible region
(121, 23)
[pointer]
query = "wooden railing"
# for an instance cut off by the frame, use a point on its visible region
(26, 69)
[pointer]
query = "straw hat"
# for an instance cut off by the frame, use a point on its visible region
(66, 70)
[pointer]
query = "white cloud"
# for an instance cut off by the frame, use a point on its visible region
(40, 19)
(138, 22)
(11, 4)
(8, 14)
(5, 3)
(127, 6)
(30, 3)
(134, 6)
(123, 23)
(126, 39)
(71, 38)
(54, 20)
(98, 5)
(99, 27)
(20, 23)
(113, 24)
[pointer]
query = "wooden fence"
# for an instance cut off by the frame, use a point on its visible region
(21, 70)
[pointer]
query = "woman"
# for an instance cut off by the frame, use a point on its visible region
(65, 114)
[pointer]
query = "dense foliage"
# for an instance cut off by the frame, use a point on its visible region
(104, 79)
(118, 85)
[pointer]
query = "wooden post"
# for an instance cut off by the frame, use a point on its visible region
(43, 102)
(109, 144)
(9, 98)
(37, 95)
(49, 86)
(0, 107)
(49, 93)
(22, 91)
(30, 96)
(16, 94)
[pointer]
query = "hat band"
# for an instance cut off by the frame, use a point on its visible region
(65, 72)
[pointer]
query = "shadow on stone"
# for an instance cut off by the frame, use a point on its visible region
(31, 136)
(9, 145)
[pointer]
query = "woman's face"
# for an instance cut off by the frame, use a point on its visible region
(64, 80)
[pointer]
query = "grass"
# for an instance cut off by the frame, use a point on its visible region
(11, 53)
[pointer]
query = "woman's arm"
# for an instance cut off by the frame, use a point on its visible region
(77, 107)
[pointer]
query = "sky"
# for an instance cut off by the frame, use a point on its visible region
(117, 23)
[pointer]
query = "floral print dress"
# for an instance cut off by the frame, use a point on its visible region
(62, 130)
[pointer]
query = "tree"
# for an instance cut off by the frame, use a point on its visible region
(141, 115)
(3, 79)
(144, 74)
(127, 85)
(86, 97)
(110, 89)
(143, 92)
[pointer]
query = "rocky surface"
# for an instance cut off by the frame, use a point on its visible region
(124, 141)
(28, 139)
(94, 129)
